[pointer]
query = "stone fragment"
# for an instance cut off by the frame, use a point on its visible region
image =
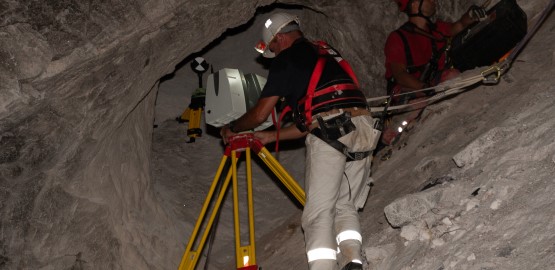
(411, 207)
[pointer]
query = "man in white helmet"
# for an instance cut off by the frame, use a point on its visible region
(331, 111)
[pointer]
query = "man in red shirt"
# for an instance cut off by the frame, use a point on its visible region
(415, 56)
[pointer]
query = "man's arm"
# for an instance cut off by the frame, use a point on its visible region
(287, 133)
(474, 13)
(252, 118)
(403, 78)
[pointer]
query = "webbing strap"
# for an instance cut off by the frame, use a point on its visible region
(349, 70)
(334, 101)
(323, 50)
(406, 46)
(314, 78)
(337, 145)
(436, 53)
(335, 87)
(324, 47)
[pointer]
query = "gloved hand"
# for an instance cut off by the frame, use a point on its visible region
(477, 13)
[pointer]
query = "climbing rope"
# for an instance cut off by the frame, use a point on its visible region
(490, 75)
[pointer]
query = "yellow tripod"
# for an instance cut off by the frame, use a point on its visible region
(245, 255)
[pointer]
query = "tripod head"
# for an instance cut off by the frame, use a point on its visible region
(241, 142)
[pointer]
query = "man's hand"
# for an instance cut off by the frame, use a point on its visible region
(477, 13)
(226, 132)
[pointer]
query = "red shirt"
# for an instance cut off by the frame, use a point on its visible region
(420, 47)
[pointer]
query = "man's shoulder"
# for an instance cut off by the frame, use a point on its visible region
(302, 44)
(301, 49)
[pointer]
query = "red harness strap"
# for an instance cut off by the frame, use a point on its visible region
(324, 49)
(316, 74)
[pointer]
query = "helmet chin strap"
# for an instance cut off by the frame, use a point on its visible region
(420, 14)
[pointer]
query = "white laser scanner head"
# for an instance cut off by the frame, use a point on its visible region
(229, 94)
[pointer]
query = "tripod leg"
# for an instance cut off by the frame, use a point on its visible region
(184, 117)
(252, 250)
(191, 257)
(245, 255)
(282, 174)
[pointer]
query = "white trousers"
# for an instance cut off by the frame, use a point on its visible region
(330, 219)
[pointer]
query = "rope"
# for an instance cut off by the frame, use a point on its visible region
(442, 90)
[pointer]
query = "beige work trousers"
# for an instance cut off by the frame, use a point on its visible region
(332, 186)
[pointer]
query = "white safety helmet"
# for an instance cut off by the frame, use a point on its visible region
(273, 25)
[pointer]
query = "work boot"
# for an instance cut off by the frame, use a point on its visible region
(353, 266)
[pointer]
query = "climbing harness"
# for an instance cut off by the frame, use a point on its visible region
(339, 94)
(428, 71)
(327, 97)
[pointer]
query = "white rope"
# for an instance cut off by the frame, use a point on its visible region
(450, 87)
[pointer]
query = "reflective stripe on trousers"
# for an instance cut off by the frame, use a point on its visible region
(321, 254)
(348, 235)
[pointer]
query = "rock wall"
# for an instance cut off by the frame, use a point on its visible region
(79, 81)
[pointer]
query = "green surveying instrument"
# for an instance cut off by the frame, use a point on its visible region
(193, 112)
(230, 93)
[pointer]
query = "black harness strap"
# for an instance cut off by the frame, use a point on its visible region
(429, 69)
(341, 125)
(411, 68)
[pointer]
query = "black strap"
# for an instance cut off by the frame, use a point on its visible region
(406, 45)
(420, 14)
(430, 68)
(411, 68)
(351, 156)
(321, 134)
